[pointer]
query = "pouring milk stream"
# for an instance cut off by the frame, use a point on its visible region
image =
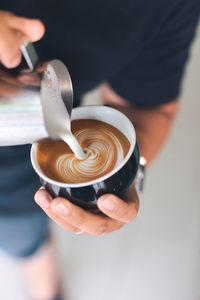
(57, 100)
(29, 115)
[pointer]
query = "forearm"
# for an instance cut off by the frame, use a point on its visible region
(152, 128)
(152, 124)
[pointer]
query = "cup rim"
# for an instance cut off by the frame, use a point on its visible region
(94, 181)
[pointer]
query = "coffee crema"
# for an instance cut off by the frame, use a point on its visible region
(105, 146)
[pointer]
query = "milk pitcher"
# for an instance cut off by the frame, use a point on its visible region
(21, 115)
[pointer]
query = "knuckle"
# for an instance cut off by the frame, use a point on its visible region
(80, 219)
(102, 228)
(123, 212)
(55, 217)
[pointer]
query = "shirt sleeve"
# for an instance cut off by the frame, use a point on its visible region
(154, 76)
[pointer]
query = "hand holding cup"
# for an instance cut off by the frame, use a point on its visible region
(116, 212)
(95, 206)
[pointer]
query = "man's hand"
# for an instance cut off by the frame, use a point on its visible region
(14, 31)
(73, 218)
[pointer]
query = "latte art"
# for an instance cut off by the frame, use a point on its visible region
(104, 152)
(105, 146)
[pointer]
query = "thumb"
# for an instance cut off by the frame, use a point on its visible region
(116, 208)
(32, 29)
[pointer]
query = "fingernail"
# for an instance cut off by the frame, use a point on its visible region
(44, 202)
(62, 209)
(108, 204)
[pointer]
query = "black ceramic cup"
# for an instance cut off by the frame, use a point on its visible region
(117, 182)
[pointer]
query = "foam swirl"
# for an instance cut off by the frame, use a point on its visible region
(104, 148)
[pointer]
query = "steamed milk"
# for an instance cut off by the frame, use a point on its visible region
(104, 145)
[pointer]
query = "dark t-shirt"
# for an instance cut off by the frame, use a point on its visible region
(140, 47)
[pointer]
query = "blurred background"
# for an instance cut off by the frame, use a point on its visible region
(158, 255)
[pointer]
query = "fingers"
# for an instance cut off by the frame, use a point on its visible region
(10, 54)
(8, 77)
(29, 79)
(11, 84)
(14, 31)
(43, 199)
(117, 209)
(74, 218)
(84, 220)
(32, 29)
(7, 89)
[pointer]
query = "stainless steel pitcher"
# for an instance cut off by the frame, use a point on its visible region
(21, 114)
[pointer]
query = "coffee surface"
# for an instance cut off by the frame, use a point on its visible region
(105, 146)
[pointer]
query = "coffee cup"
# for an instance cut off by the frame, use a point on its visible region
(118, 181)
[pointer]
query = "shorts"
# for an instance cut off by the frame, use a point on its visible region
(23, 224)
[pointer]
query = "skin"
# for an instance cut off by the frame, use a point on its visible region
(152, 127)
(14, 32)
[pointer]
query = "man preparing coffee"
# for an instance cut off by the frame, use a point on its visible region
(137, 53)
